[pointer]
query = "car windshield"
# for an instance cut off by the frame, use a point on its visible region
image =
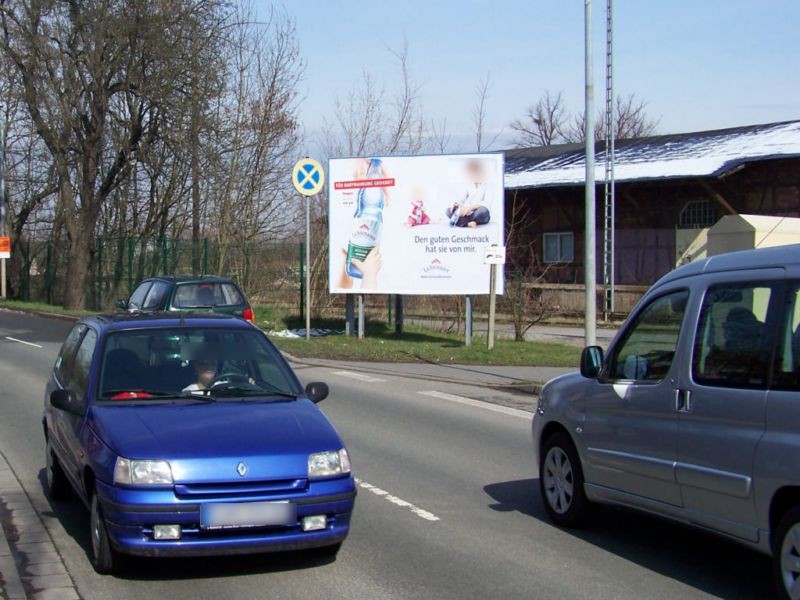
(199, 363)
(206, 294)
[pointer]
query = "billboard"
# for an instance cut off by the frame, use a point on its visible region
(414, 224)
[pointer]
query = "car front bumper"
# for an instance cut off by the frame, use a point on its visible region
(131, 514)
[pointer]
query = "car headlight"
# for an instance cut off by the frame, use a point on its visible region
(326, 464)
(142, 472)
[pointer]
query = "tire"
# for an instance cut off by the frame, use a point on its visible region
(57, 485)
(561, 482)
(105, 559)
(786, 554)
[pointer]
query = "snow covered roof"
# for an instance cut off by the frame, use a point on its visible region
(678, 156)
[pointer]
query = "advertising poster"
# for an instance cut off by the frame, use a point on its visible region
(414, 225)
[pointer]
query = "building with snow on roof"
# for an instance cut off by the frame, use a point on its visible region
(670, 189)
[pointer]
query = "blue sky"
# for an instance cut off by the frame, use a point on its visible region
(699, 64)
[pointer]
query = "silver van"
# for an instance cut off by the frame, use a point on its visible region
(694, 411)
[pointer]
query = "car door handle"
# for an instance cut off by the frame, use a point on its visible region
(683, 401)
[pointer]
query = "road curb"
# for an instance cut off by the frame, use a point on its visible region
(26, 547)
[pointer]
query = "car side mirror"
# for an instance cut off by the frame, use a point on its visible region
(317, 391)
(67, 401)
(591, 361)
(122, 305)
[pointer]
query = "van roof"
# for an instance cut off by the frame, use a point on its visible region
(760, 258)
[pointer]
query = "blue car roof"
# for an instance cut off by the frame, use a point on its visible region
(127, 321)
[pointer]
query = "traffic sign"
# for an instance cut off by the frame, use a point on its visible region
(5, 247)
(308, 177)
(494, 255)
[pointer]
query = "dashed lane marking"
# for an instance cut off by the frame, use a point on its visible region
(8, 337)
(358, 376)
(505, 410)
(421, 513)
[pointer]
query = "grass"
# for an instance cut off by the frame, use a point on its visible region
(418, 344)
(381, 344)
(43, 307)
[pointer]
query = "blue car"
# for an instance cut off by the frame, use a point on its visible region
(191, 436)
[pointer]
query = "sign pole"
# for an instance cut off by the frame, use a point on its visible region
(308, 179)
(494, 255)
(492, 302)
(308, 268)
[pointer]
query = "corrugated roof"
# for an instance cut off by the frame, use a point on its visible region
(676, 156)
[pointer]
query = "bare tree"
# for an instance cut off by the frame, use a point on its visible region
(439, 138)
(367, 123)
(548, 122)
(524, 301)
(95, 76)
(630, 121)
(479, 114)
(543, 122)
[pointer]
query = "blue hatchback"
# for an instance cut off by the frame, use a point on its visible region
(191, 436)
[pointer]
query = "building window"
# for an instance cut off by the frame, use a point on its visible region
(697, 214)
(559, 247)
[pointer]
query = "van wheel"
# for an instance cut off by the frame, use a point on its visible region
(561, 482)
(105, 559)
(786, 554)
(57, 484)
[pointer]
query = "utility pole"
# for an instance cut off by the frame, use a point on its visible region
(609, 200)
(589, 268)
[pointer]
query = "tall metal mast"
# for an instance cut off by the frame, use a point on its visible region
(608, 205)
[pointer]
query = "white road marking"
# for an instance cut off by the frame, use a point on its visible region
(359, 376)
(421, 513)
(23, 342)
(505, 410)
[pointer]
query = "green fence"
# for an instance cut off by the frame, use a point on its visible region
(270, 273)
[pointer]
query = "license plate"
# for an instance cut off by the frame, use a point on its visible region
(231, 515)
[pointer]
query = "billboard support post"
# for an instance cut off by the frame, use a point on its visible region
(468, 321)
(398, 313)
(361, 316)
(349, 314)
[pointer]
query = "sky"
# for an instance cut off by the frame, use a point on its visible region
(700, 64)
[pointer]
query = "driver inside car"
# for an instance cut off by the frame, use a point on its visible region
(206, 371)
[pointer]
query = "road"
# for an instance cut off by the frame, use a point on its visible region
(448, 507)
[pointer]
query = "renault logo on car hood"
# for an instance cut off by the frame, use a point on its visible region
(241, 469)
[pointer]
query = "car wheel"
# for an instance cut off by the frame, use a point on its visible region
(786, 554)
(57, 484)
(561, 481)
(105, 559)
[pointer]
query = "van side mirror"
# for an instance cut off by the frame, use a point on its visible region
(122, 304)
(67, 401)
(317, 391)
(591, 361)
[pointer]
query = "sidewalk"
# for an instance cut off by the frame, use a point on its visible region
(478, 375)
(30, 566)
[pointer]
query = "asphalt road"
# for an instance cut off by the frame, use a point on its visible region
(448, 507)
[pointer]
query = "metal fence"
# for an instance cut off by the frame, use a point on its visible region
(270, 273)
